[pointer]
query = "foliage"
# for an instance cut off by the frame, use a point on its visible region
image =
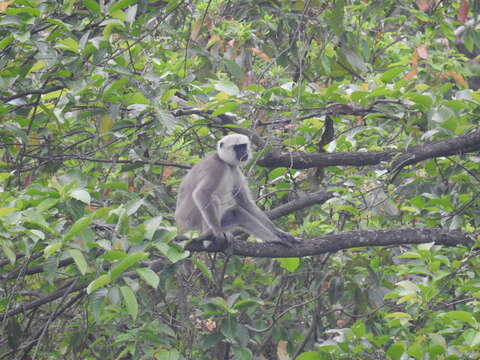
(104, 104)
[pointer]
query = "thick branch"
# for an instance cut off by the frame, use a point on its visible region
(454, 146)
(302, 160)
(414, 154)
(346, 240)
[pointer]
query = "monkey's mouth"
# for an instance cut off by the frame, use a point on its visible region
(244, 158)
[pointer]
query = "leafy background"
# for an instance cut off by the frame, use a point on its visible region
(105, 104)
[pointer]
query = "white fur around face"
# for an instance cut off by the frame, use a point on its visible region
(225, 148)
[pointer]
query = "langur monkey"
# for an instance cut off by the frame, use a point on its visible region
(214, 197)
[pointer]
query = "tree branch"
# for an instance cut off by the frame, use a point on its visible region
(44, 300)
(303, 202)
(302, 160)
(299, 160)
(32, 92)
(454, 146)
(340, 241)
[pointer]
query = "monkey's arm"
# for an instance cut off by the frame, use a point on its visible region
(206, 203)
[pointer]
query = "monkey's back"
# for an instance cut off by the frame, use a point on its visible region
(187, 214)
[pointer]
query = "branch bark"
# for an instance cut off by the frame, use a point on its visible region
(299, 160)
(340, 241)
(303, 202)
(455, 146)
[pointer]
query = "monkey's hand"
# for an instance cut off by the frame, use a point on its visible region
(222, 240)
(285, 238)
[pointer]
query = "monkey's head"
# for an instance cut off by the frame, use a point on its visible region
(234, 149)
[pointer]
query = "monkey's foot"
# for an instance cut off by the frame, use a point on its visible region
(286, 239)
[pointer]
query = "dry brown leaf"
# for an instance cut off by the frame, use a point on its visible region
(4, 5)
(458, 78)
(424, 5)
(282, 352)
(196, 30)
(463, 11)
(422, 51)
(167, 173)
(260, 54)
(410, 75)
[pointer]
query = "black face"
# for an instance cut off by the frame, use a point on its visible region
(241, 152)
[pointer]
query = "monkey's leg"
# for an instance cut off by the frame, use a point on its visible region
(237, 217)
(224, 239)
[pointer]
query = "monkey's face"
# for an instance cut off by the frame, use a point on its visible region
(234, 149)
(241, 152)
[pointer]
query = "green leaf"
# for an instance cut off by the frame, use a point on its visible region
(112, 255)
(359, 329)
(462, 316)
(172, 252)
(242, 354)
(226, 86)
(9, 253)
(130, 301)
(120, 4)
(290, 264)
(119, 84)
(7, 40)
(416, 350)
(152, 225)
(105, 124)
(424, 101)
(6, 210)
(203, 268)
(79, 260)
(23, 10)
(389, 75)
(110, 25)
(34, 217)
(92, 5)
(168, 354)
(50, 249)
(149, 276)
(166, 118)
(67, 44)
(137, 98)
(46, 204)
(80, 225)
(99, 282)
(396, 350)
(80, 194)
(227, 107)
(247, 303)
(234, 69)
(126, 263)
(217, 302)
(309, 355)
(354, 60)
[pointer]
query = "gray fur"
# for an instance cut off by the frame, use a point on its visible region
(214, 197)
